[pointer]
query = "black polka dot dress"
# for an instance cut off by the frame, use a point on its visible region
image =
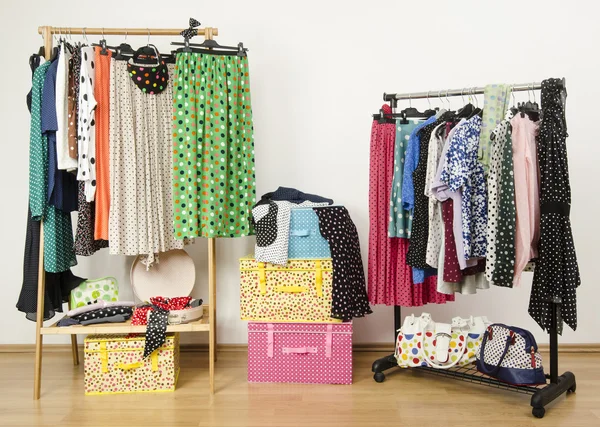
(417, 250)
(349, 288)
(556, 272)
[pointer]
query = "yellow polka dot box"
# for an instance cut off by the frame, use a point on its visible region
(300, 291)
(114, 364)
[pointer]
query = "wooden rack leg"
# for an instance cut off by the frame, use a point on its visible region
(37, 379)
(74, 348)
(41, 291)
(212, 316)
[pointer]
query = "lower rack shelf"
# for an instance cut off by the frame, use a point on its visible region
(541, 395)
(200, 325)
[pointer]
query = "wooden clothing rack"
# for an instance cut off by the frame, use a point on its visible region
(542, 395)
(201, 325)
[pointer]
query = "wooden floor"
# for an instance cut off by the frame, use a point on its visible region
(405, 399)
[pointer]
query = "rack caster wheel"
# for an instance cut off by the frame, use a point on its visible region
(379, 377)
(572, 389)
(538, 412)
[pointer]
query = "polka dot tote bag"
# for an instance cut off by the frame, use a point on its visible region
(422, 342)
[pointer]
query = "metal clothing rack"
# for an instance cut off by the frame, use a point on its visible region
(457, 92)
(541, 395)
(201, 325)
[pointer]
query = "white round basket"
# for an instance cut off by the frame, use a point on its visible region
(173, 276)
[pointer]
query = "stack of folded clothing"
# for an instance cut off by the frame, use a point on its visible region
(99, 312)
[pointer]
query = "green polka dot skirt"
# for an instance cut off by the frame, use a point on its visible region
(213, 146)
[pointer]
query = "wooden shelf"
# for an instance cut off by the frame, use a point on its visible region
(200, 325)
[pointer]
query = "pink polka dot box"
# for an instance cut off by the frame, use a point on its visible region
(312, 353)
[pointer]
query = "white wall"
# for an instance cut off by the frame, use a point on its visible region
(318, 70)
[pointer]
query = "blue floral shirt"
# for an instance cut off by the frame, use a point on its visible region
(463, 171)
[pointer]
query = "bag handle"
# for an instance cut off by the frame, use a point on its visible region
(291, 289)
(481, 365)
(300, 233)
(450, 365)
(410, 320)
(262, 280)
(299, 350)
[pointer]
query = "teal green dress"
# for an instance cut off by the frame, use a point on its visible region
(59, 254)
(400, 221)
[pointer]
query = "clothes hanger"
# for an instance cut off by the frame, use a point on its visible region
(147, 55)
(414, 113)
(383, 117)
(124, 50)
(55, 49)
(477, 111)
(85, 39)
(211, 47)
(467, 110)
(448, 115)
(532, 109)
(514, 109)
(104, 46)
(208, 46)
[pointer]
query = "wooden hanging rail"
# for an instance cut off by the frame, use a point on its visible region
(202, 325)
(123, 31)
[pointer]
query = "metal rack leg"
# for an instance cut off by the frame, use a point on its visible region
(554, 345)
(387, 362)
(559, 385)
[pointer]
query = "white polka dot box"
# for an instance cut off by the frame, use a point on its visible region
(312, 353)
(300, 291)
(114, 364)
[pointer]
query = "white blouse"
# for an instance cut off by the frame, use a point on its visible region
(434, 153)
(86, 139)
(64, 161)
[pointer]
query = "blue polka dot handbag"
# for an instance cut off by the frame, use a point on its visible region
(305, 240)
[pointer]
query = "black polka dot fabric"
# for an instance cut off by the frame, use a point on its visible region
(156, 331)
(556, 272)
(101, 315)
(504, 255)
(417, 249)
(266, 227)
(349, 288)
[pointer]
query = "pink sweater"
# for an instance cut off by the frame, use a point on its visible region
(527, 192)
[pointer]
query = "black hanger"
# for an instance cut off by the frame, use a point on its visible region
(531, 109)
(211, 47)
(55, 51)
(124, 51)
(105, 47)
(412, 112)
(465, 112)
(147, 55)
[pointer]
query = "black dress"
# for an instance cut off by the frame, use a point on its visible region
(349, 288)
(417, 249)
(556, 271)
